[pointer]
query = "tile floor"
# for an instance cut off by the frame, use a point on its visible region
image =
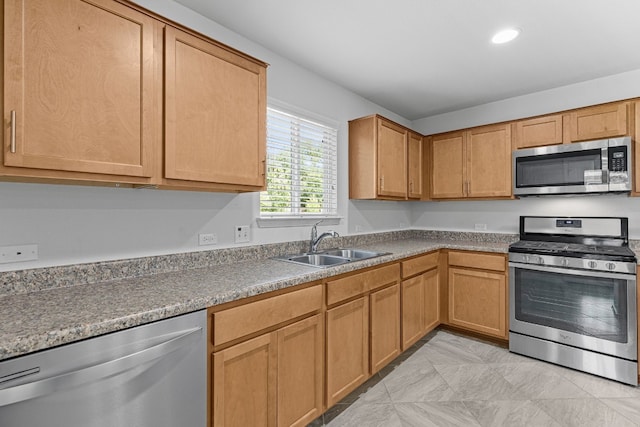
(448, 379)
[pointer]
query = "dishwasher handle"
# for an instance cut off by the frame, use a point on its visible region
(106, 369)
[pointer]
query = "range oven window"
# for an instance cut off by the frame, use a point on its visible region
(559, 169)
(590, 306)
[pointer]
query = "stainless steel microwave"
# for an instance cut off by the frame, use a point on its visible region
(602, 166)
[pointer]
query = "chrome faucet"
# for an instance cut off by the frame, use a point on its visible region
(315, 240)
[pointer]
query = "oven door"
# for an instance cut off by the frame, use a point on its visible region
(585, 309)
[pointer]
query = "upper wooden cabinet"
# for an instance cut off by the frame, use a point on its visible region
(415, 156)
(215, 112)
(583, 124)
(636, 152)
(392, 159)
(448, 166)
(601, 121)
(385, 160)
(78, 90)
(475, 163)
(85, 97)
(539, 131)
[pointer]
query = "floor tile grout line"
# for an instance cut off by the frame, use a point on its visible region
(615, 410)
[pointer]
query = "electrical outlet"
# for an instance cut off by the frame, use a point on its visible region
(242, 233)
(18, 253)
(207, 239)
(481, 227)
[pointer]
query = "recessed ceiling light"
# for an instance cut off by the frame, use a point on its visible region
(505, 36)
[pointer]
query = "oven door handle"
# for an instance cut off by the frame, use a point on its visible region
(574, 272)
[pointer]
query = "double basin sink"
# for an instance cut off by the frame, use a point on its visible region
(331, 257)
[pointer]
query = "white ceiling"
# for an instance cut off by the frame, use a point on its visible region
(419, 58)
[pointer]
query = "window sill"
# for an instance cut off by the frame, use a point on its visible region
(296, 221)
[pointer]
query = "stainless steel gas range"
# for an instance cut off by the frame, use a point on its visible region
(572, 292)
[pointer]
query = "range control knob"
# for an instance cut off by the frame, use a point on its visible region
(565, 262)
(592, 264)
(525, 258)
(611, 266)
(540, 260)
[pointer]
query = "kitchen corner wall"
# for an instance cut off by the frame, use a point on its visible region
(76, 224)
(503, 215)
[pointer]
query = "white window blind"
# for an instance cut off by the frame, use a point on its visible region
(301, 167)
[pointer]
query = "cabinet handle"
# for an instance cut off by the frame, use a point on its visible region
(411, 186)
(382, 182)
(13, 131)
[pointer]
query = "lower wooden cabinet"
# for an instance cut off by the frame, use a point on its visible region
(274, 379)
(347, 348)
(244, 380)
(385, 326)
(300, 372)
(478, 301)
(420, 290)
(281, 361)
(420, 306)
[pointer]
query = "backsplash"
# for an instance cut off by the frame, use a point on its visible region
(33, 280)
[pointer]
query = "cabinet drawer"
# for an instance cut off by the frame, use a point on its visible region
(237, 322)
(478, 260)
(420, 264)
(351, 286)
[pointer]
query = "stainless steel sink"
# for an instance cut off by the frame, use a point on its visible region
(352, 253)
(331, 257)
(317, 260)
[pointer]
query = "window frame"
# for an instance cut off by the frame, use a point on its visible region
(266, 219)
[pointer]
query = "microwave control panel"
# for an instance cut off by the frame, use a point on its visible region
(618, 159)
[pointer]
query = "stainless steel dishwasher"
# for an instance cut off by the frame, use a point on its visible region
(150, 375)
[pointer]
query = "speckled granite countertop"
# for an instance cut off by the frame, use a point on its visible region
(36, 320)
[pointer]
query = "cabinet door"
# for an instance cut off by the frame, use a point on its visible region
(392, 160)
(412, 311)
(477, 301)
(636, 151)
(431, 301)
(602, 121)
(215, 113)
(347, 348)
(300, 368)
(489, 161)
(385, 326)
(415, 155)
(420, 306)
(244, 384)
(539, 131)
(447, 174)
(79, 77)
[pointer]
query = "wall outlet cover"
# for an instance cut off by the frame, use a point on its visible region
(18, 253)
(207, 239)
(242, 234)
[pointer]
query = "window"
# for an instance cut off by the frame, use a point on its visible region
(301, 167)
